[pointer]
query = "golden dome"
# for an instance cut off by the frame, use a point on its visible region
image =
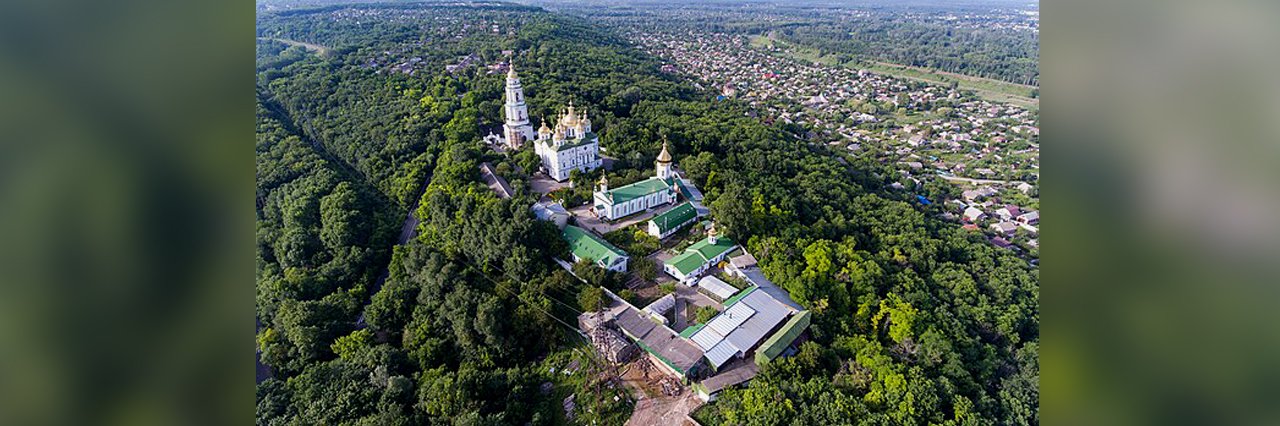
(604, 180)
(570, 117)
(511, 69)
(711, 230)
(664, 156)
(544, 128)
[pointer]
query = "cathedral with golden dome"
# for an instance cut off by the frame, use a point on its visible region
(569, 146)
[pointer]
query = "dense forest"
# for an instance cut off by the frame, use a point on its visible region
(915, 321)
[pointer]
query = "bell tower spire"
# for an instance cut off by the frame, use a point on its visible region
(663, 164)
(516, 127)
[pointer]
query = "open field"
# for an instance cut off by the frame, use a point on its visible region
(321, 50)
(994, 90)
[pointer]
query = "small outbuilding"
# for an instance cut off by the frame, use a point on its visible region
(716, 288)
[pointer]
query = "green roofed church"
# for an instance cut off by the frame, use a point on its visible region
(612, 204)
(586, 245)
(670, 221)
(699, 257)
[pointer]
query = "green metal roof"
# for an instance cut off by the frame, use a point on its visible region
(684, 190)
(586, 139)
(586, 245)
(636, 190)
(730, 301)
(709, 250)
(689, 331)
(686, 262)
(774, 346)
(675, 217)
(699, 254)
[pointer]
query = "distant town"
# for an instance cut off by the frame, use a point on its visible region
(930, 132)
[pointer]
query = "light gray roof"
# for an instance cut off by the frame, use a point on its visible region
(741, 327)
(706, 338)
(731, 319)
(545, 209)
(634, 324)
(721, 353)
(757, 277)
(768, 314)
(662, 305)
(744, 261)
(716, 287)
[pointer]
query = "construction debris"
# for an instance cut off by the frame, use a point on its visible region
(670, 387)
(612, 346)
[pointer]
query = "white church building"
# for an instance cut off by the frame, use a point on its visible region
(612, 204)
(571, 146)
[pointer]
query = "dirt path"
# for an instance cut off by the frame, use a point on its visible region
(664, 411)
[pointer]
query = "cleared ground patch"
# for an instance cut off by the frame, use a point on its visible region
(318, 49)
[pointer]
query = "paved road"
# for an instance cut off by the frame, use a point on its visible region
(972, 180)
(543, 184)
(587, 220)
(407, 231)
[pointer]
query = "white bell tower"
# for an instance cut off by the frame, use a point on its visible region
(664, 162)
(517, 128)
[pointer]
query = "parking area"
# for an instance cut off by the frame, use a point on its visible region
(542, 184)
(588, 220)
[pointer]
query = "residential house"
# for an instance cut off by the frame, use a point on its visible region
(974, 214)
(1001, 242)
(1030, 218)
(1008, 212)
(1005, 228)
